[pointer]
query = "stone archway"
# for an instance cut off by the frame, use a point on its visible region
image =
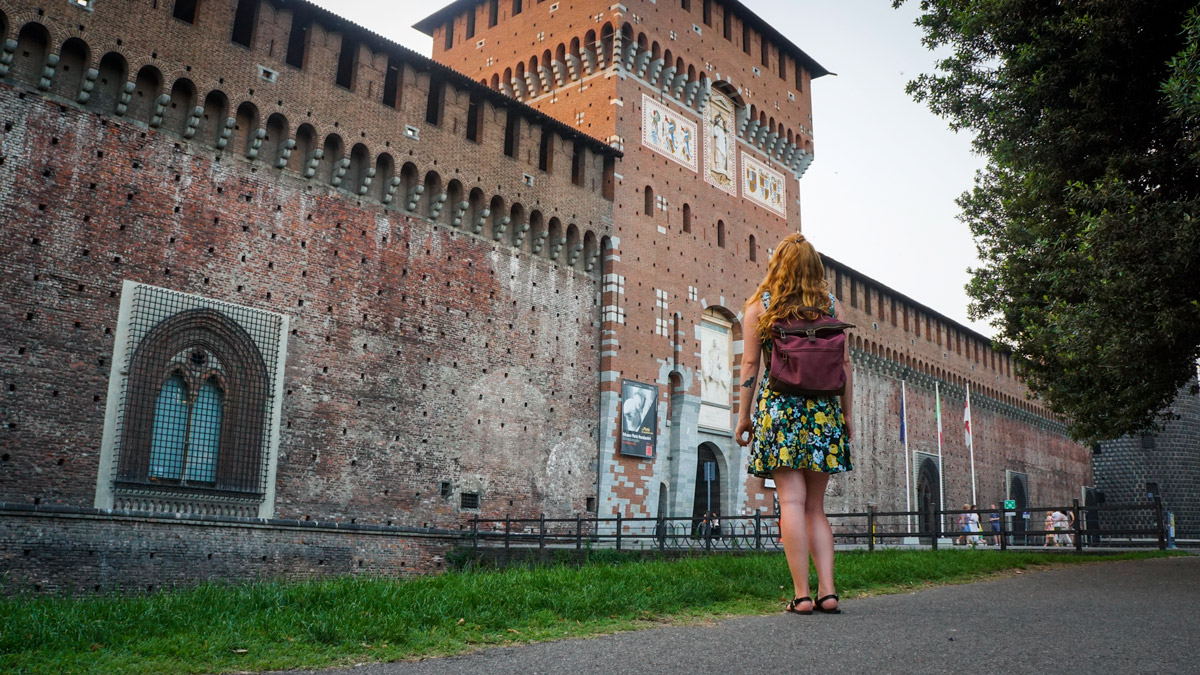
(708, 494)
(927, 498)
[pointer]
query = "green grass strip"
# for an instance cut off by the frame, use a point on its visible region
(336, 622)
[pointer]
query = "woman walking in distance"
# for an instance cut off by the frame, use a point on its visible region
(800, 441)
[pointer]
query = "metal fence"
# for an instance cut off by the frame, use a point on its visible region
(1137, 525)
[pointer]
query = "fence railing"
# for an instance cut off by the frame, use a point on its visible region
(1076, 527)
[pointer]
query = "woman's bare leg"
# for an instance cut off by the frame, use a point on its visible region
(791, 489)
(820, 533)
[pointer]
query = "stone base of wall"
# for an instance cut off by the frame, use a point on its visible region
(71, 550)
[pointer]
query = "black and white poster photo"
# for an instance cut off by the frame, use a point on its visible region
(639, 418)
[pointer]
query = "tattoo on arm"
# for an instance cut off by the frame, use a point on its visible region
(748, 383)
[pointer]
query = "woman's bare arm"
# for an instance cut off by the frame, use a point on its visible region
(751, 359)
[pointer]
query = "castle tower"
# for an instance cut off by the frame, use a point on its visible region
(1161, 464)
(712, 108)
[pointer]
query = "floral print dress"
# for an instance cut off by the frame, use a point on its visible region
(797, 432)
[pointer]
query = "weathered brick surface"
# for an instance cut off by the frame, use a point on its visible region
(94, 552)
(420, 352)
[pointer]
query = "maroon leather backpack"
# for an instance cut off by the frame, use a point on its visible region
(807, 357)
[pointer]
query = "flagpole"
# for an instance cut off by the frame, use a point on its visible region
(971, 445)
(907, 470)
(937, 395)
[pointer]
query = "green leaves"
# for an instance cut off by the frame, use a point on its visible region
(1089, 113)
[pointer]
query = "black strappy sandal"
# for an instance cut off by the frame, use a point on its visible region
(795, 602)
(819, 605)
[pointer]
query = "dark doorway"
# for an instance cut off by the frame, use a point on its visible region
(1016, 492)
(927, 499)
(708, 493)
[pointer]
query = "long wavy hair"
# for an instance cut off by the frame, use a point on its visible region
(795, 278)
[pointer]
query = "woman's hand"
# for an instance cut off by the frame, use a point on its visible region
(849, 430)
(743, 435)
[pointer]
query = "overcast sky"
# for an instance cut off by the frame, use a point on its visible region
(880, 194)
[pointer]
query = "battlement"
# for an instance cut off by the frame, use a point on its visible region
(296, 89)
(905, 338)
(669, 55)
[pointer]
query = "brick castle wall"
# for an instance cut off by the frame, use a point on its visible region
(420, 351)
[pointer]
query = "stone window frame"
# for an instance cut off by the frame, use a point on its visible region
(145, 358)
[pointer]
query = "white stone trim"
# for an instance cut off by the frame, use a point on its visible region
(105, 497)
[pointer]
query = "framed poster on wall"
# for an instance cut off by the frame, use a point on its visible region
(639, 419)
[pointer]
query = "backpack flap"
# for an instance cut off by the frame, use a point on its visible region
(807, 357)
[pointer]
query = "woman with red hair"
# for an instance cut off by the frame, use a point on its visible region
(799, 440)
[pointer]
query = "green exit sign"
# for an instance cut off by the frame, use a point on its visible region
(1010, 503)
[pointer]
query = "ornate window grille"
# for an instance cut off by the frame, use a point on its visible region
(192, 423)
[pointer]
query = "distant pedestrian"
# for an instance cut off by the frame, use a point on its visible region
(994, 520)
(1062, 526)
(973, 526)
(1048, 526)
(798, 440)
(961, 521)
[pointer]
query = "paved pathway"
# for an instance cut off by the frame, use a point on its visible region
(1120, 617)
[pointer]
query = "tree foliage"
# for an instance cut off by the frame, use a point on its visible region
(1085, 218)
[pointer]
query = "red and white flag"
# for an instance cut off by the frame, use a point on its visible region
(967, 420)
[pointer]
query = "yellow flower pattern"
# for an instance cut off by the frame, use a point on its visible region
(797, 432)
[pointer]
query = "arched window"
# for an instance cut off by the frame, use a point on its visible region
(753, 249)
(199, 393)
(687, 218)
(648, 209)
(721, 233)
(170, 429)
(187, 431)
